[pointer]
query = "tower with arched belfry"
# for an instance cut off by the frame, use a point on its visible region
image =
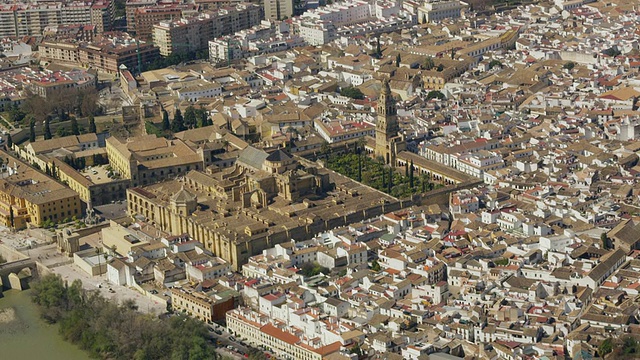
(388, 140)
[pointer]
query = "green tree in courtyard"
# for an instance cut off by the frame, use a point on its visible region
(606, 346)
(62, 131)
(190, 117)
(606, 242)
(203, 117)
(325, 149)
(428, 63)
(435, 94)
(375, 266)
(352, 92)
(494, 63)
(177, 124)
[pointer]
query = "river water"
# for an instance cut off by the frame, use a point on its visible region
(27, 336)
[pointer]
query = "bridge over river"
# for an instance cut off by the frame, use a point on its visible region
(17, 271)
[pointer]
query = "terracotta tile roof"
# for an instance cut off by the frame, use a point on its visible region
(279, 334)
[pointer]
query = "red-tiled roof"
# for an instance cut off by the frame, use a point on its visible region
(279, 334)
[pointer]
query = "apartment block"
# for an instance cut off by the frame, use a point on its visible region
(278, 9)
(102, 15)
(184, 35)
(30, 19)
(106, 53)
(131, 7)
(216, 4)
(193, 34)
(349, 18)
(146, 17)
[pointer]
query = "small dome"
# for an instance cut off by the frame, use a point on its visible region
(183, 196)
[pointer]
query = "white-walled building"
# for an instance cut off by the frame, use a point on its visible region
(432, 11)
(202, 89)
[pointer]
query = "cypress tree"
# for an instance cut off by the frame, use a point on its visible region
(411, 175)
(75, 130)
(360, 167)
(166, 125)
(9, 141)
(47, 130)
(178, 122)
(32, 130)
(92, 124)
(190, 117)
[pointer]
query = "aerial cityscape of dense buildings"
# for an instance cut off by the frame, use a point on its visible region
(352, 180)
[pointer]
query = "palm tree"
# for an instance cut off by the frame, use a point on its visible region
(428, 63)
(325, 149)
(361, 144)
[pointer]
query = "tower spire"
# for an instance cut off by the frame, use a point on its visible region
(387, 125)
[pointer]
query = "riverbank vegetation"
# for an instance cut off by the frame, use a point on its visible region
(118, 331)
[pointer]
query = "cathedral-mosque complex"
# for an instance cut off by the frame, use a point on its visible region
(267, 198)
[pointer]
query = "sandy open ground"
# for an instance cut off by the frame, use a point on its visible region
(7, 315)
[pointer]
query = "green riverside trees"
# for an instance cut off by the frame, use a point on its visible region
(108, 330)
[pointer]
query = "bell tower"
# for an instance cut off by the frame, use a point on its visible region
(387, 138)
